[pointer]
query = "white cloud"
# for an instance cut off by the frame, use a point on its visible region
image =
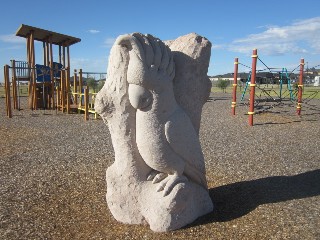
(11, 38)
(93, 31)
(109, 42)
(217, 46)
(89, 65)
(302, 36)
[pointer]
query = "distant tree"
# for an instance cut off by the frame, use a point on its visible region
(92, 84)
(223, 84)
(100, 85)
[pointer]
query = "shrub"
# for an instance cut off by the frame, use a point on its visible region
(223, 84)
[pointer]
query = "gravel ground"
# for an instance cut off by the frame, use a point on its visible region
(264, 180)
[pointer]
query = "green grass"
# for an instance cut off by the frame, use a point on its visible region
(273, 90)
(23, 91)
(307, 91)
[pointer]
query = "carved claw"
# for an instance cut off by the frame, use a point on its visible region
(156, 176)
(152, 175)
(162, 184)
(159, 177)
(169, 183)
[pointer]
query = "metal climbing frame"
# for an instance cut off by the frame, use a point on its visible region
(251, 80)
(246, 86)
(289, 86)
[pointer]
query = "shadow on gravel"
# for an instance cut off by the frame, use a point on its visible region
(220, 98)
(274, 123)
(281, 123)
(238, 199)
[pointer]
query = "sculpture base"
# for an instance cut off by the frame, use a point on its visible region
(185, 203)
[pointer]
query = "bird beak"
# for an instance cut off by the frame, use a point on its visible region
(139, 97)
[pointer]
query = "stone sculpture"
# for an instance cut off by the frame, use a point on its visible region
(158, 176)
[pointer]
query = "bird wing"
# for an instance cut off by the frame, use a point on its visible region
(184, 141)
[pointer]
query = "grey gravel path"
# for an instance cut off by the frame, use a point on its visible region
(264, 180)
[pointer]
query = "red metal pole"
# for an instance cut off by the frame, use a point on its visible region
(234, 96)
(300, 86)
(252, 85)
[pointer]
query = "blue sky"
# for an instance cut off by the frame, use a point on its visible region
(282, 31)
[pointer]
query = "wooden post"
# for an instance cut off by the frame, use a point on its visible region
(80, 85)
(68, 89)
(252, 85)
(86, 103)
(80, 79)
(47, 52)
(68, 57)
(7, 90)
(62, 90)
(300, 87)
(44, 53)
(30, 83)
(32, 64)
(14, 84)
(75, 90)
(234, 95)
(60, 54)
(51, 73)
(29, 71)
(58, 92)
(28, 49)
(64, 56)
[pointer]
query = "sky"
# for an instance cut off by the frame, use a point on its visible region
(282, 31)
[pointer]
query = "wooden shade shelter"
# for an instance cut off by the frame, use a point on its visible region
(48, 38)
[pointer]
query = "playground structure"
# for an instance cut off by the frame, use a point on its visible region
(294, 94)
(49, 84)
(82, 99)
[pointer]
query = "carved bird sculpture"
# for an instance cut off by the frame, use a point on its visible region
(165, 136)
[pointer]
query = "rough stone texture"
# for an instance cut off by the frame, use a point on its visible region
(128, 170)
(158, 175)
(191, 54)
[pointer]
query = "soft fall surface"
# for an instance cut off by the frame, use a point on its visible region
(264, 180)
